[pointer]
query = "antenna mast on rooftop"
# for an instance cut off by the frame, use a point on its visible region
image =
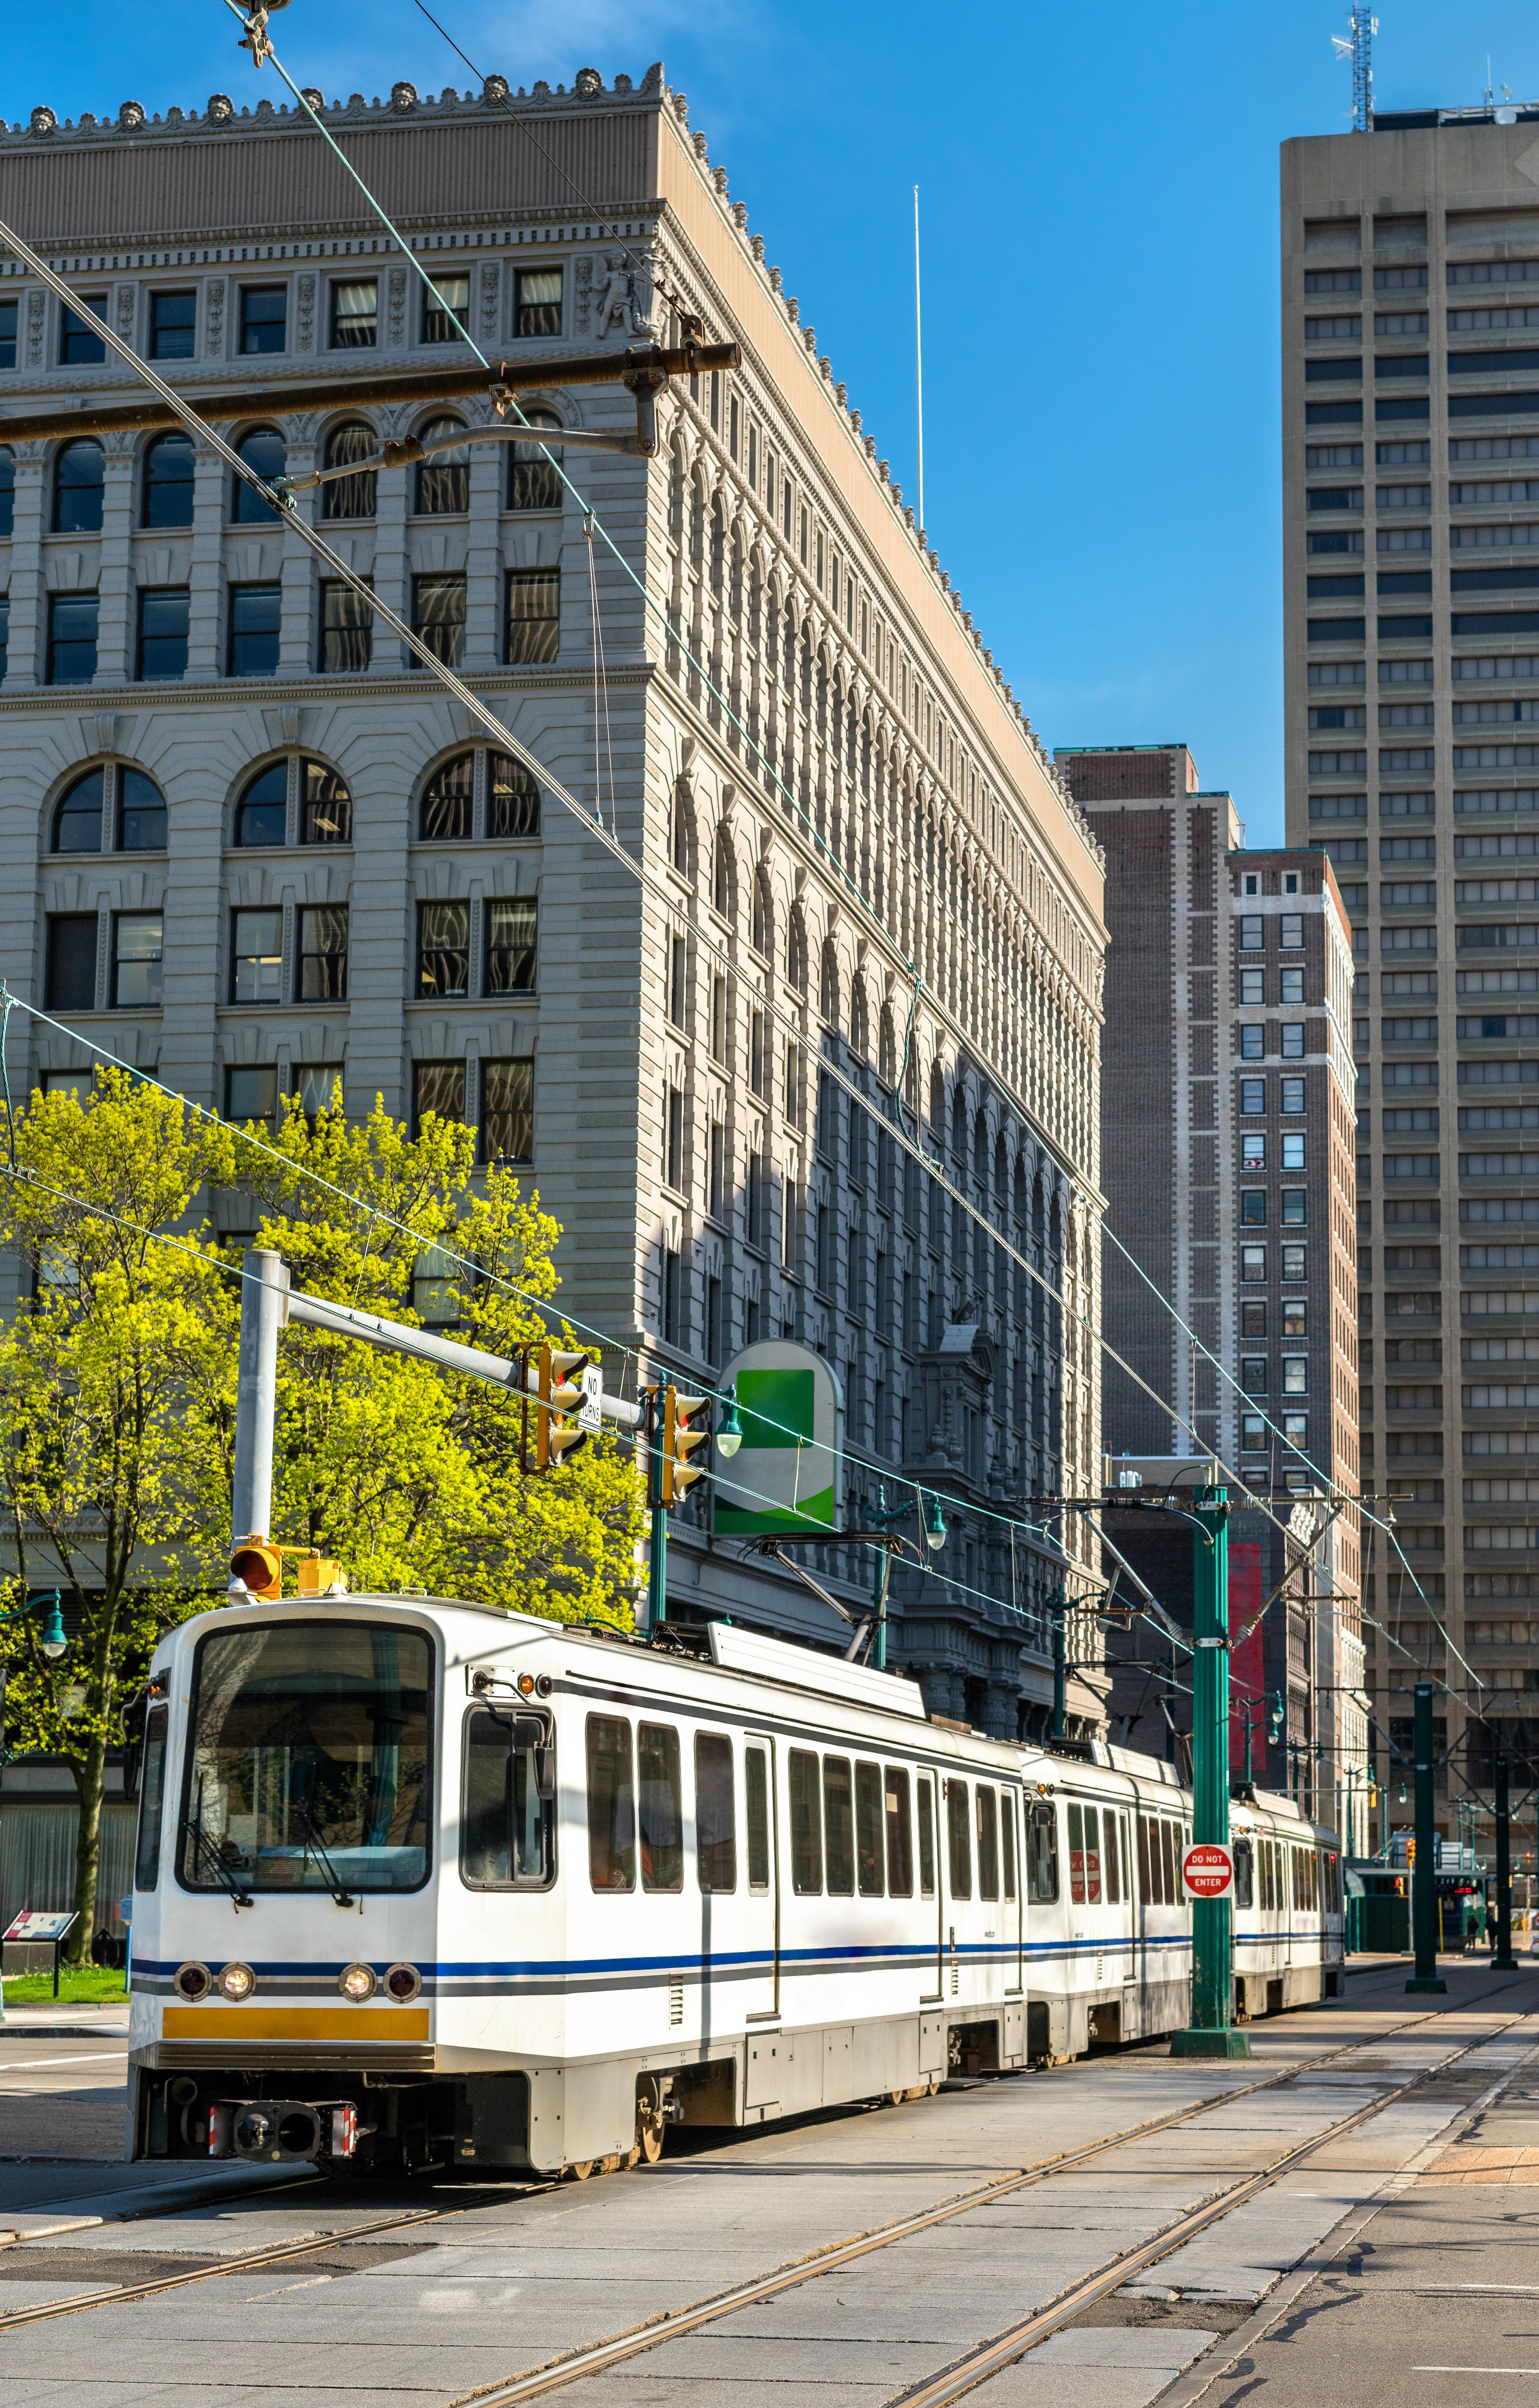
(1360, 50)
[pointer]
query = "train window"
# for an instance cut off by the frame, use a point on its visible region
(756, 1774)
(806, 1825)
(1007, 1838)
(1245, 1875)
(899, 1843)
(151, 1799)
(1169, 1833)
(716, 1813)
(506, 1824)
(1144, 1891)
(867, 1829)
(1042, 1854)
(1114, 1885)
(837, 1827)
(1076, 1855)
(659, 1802)
(1092, 1856)
(926, 1836)
(612, 1807)
(959, 1840)
(988, 1842)
(1268, 1876)
(1298, 1856)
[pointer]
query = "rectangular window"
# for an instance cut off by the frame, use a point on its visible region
(867, 1829)
(1296, 1430)
(1253, 1096)
(1253, 1262)
(1293, 1041)
(71, 979)
(1253, 1317)
(718, 1019)
(151, 1799)
(1294, 1203)
(447, 315)
(756, 1773)
(173, 323)
(510, 949)
(1293, 987)
(534, 616)
(1293, 1262)
(161, 651)
(71, 638)
(137, 961)
(678, 957)
(926, 1835)
(356, 314)
(255, 617)
(659, 1798)
(1168, 1848)
(1252, 932)
(252, 1095)
(1295, 1375)
(444, 951)
(1113, 1888)
(81, 344)
(612, 1804)
(1293, 1148)
(4, 619)
(508, 1110)
(1145, 1865)
(1291, 931)
(507, 1832)
(959, 1840)
(1293, 1101)
(673, 1138)
(263, 316)
(437, 1087)
(438, 616)
(1076, 1855)
(988, 1842)
(1253, 1207)
(715, 1813)
(1295, 1317)
(346, 628)
(838, 1826)
(8, 334)
(1253, 1374)
(802, 1775)
(1253, 987)
(1042, 1854)
(899, 1840)
(1253, 1150)
(256, 956)
(322, 954)
(536, 301)
(1253, 1044)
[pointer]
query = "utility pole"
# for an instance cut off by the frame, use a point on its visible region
(1059, 1608)
(1212, 2031)
(1424, 1873)
(1503, 1958)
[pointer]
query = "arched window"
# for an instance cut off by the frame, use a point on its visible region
(763, 917)
(168, 482)
(723, 880)
(326, 806)
(444, 479)
(263, 814)
(265, 451)
(77, 488)
(77, 818)
(795, 953)
(512, 798)
(533, 482)
(351, 497)
(8, 490)
(447, 799)
(141, 813)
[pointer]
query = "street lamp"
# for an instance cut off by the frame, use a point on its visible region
(53, 1642)
(934, 1520)
(729, 1435)
(882, 1516)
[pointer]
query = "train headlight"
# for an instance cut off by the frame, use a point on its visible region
(192, 1981)
(238, 1981)
(356, 1981)
(404, 1983)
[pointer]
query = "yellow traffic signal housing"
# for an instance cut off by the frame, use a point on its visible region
(259, 1563)
(679, 1441)
(317, 1573)
(556, 1436)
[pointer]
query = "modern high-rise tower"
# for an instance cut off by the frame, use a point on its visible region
(1410, 298)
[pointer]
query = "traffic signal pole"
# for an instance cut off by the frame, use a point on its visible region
(1502, 1959)
(1212, 2031)
(263, 1296)
(1424, 1916)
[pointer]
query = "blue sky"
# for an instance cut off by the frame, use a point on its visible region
(1098, 198)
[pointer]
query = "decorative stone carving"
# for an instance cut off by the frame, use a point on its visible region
(622, 83)
(495, 89)
(718, 177)
(622, 296)
(585, 294)
(214, 317)
(221, 109)
(34, 327)
(403, 96)
(586, 81)
(395, 325)
(653, 79)
(131, 115)
(42, 120)
(305, 314)
(681, 104)
(740, 216)
(755, 244)
(491, 273)
(127, 299)
(698, 142)
(315, 96)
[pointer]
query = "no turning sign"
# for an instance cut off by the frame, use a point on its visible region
(1207, 1869)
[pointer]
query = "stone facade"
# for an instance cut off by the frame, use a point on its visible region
(858, 859)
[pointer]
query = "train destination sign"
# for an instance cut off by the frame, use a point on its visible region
(1207, 1869)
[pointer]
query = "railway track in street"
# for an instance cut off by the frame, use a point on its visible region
(973, 2366)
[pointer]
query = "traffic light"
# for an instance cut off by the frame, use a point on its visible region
(680, 1440)
(257, 1563)
(317, 1573)
(556, 1434)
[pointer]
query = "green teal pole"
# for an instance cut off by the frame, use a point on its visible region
(1503, 1958)
(1424, 1871)
(1059, 1608)
(657, 1528)
(1212, 2031)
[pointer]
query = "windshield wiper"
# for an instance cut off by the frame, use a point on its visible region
(192, 1826)
(313, 1846)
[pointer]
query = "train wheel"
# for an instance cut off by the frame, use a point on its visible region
(611, 2165)
(649, 2139)
(582, 2169)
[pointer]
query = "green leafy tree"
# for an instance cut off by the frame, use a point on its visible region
(114, 1397)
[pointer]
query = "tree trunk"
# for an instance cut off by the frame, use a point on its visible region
(90, 1776)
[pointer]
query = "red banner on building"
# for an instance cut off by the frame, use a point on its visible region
(1247, 1660)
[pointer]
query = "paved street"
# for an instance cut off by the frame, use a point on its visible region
(506, 2279)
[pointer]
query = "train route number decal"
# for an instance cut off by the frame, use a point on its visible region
(1207, 1869)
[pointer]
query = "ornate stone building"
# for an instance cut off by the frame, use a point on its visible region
(249, 843)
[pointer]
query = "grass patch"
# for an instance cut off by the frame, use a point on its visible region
(78, 1986)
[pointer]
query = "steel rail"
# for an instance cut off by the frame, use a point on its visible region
(671, 2324)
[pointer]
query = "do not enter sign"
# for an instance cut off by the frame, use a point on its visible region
(1207, 1869)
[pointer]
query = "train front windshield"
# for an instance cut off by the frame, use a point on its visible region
(308, 1763)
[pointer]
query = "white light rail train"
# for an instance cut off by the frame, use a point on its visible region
(423, 1885)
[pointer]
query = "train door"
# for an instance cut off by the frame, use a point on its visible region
(761, 1936)
(932, 1906)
